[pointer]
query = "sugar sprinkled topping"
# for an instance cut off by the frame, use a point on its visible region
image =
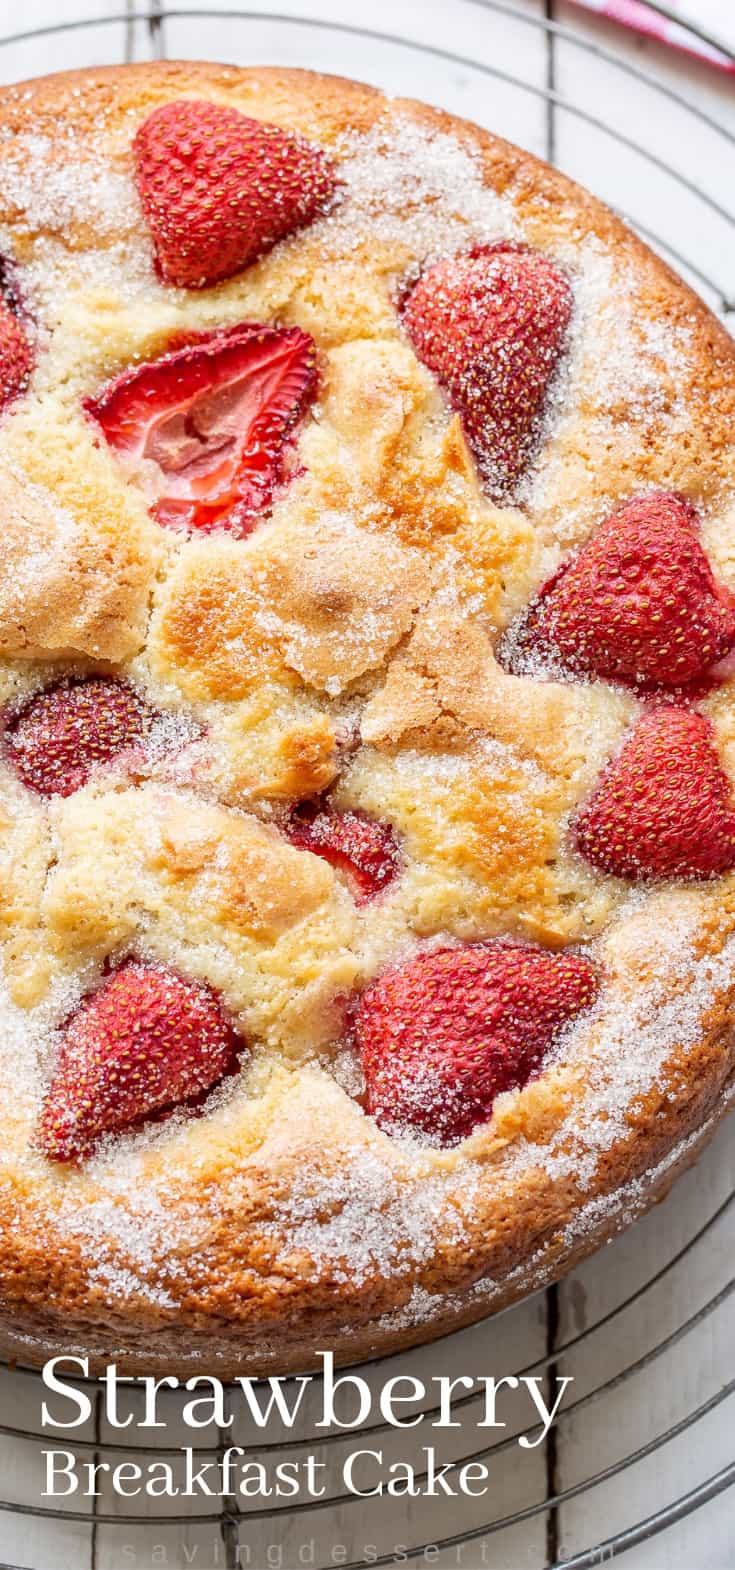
(395, 1229)
(51, 188)
(387, 1211)
(409, 186)
(54, 186)
(380, 1213)
(631, 367)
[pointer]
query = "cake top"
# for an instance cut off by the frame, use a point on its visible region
(366, 623)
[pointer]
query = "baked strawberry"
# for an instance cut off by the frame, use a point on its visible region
(218, 189)
(491, 324)
(639, 603)
(212, 420)
(147, 1040)
(444, 1034)
(60, 736)
(16, 357)
(365, 850)
(663, 808)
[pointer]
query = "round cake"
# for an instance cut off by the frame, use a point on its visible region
(367, 631)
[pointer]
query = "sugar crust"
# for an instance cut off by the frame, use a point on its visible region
(368, 606)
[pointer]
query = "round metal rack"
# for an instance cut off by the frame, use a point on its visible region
(147, 29)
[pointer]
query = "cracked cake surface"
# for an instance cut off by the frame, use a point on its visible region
(362, 965)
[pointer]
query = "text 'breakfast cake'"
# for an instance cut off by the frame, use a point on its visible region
(367, 812)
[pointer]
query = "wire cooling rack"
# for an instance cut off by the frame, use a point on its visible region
(243, 1536)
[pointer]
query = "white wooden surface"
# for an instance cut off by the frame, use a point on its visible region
(694, 1367)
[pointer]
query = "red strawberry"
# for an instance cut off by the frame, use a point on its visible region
(367, 851)
(219, 189)
(215, 417)
(491, 324)
(663, 807)
(59, 737)
(16, 358)
(444, 1034)
(147, 1040)
(640, 602)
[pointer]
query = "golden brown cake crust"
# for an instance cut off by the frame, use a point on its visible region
(283, 1221)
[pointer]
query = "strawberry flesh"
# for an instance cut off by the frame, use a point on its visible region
(219, 189)
(366, 851)
(443, 1035)
(213, 418)
(492, 324)
(146, 1042)
(16, 356)
(663, 808)
(639, 604)
(59, 737)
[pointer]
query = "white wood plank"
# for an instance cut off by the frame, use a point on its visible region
(661, 1395)
(705, 1540)
(100, 43)
(25, 1539)
(391, 1525)
(35, 1544)
(512, 1549)
(625, 178)
(464, 29)
(162, 1547)
(162, 1542)
(22, 1394)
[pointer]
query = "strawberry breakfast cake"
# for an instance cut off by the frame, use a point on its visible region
(367, 779)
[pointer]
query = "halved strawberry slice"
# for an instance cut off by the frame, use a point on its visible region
(147, 1041)
(58, 738)
(219, 188)
(211, 421)
(447, 1031)
(16, 356)
(639, 603)
(365, 850)
(663, 808)
(492, 325)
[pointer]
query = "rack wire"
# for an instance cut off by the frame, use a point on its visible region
(150, 24)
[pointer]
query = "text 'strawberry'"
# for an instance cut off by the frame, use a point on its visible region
(220, 189)
(148, 1040)
(492, 324)
(663, 808)
(57, 739)
(639, 603)
(444, 1034)
(215, 417)
(365, 850)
